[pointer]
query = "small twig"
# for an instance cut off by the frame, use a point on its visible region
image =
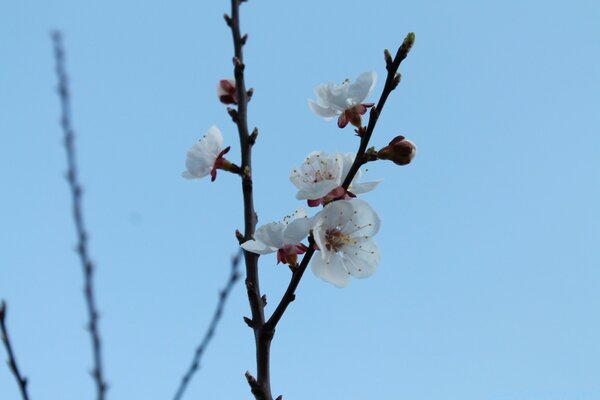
(75, 187)
(12, 361)
(361, 158)
(234, 276)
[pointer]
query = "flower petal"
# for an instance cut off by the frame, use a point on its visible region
(271, 234)
(362, 87)
(254, 246)
(361, 260)
(321, 111)
(297, 230)
(364, 187)
(331, 271)
(364, 222)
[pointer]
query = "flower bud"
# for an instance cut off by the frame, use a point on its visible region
(227, 92)
(400, 151)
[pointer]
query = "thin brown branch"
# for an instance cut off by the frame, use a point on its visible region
(76, 194)
(234, 276)
(12, 361)
(263, 343)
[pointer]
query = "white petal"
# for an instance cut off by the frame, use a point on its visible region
(254, 246)
(361, 260)
(364, 222)
(214, 140)
(297, 230)
(271, 234)
(317, 190)
(364, 187)
(336, 214)
(331, 271)
(321, 111)
(362, 87)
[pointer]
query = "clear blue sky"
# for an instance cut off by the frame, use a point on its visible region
(489, 283)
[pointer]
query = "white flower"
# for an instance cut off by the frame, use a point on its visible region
(206, 156)
(343, 231)
(344, 101)
(285, 237)
(320, 177)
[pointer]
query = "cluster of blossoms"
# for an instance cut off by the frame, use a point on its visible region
(342, 231)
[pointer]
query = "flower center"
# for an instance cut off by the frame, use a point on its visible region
(336, 239)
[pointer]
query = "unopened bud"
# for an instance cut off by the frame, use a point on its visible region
(227, 92)
(400, 151)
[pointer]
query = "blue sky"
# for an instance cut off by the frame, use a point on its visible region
(490, 272)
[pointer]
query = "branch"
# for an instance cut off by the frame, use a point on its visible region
(223, 294)
(393, 78)
(263, 343)
(12, 361)
(75, 187)
(391, 82)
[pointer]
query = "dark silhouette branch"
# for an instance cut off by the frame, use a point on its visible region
(76, 193)
(261, 386)
(223, 295)
(12, 361)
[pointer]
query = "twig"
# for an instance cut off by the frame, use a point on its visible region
(262, 384)
(12, 361)
(390, 84)
(75, 187)
(223, 294)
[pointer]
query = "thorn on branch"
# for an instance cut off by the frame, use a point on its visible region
(254, 386)
(396, 80)
(239, 236)
(253, 136)
(237, 63)
(388, 59)
(249, 322)
(408, 43)
(233, 114)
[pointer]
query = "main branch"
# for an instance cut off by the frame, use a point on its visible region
(261, 386)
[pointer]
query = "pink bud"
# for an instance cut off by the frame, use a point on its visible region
(400, 151)
(227, 91)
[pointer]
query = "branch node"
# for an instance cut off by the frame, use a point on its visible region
(396, 80)
(388, 59)
(239, 236)
(249, 322)
(264, 299)
(227, 19)
(244, 39)
(250, 93)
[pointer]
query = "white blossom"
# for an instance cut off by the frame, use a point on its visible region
(284, 237)
(320, 177)
(205, 156)
(343, 231)
(345, 101)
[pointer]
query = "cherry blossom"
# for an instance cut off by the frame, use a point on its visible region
(345, 101)
(284, 237)
(320, 177)
(206, 156)
(343, 232)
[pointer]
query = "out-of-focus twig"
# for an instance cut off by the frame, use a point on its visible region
(234, 276)
(12, 361)
(75, 187)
